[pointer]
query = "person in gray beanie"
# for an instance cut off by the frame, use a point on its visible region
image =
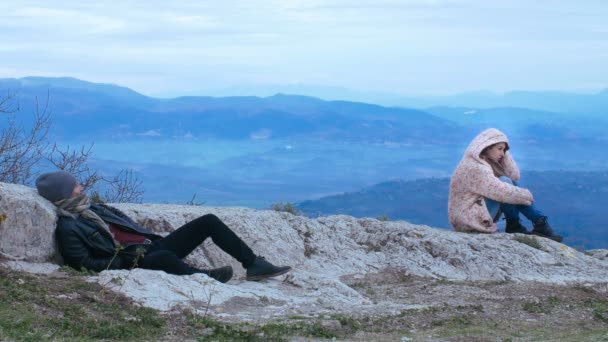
(99, 237)
(55, 186)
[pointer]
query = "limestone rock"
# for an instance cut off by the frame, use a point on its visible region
(601, 254)
(27, 223)
(322, 251)
(31, 267)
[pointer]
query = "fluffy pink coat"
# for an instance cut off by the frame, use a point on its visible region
(473, 180)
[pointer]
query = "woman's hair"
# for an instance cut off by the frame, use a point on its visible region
(498, 168)
(485, 150)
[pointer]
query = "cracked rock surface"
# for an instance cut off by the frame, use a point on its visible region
(331, 258)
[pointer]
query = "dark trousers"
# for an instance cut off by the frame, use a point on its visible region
(166, 254)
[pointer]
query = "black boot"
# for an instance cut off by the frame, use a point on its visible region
(516, 227)
(221, 274)
(261, 269)
(542, 228)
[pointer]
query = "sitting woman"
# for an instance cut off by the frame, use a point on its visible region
(99, 237)
(478, 196)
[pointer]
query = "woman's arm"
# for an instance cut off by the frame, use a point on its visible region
(489, 186)
(510, 167)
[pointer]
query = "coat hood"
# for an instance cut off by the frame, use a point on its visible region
(486, 138)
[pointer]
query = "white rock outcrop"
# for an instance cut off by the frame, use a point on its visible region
(27, 222)
(322, 252)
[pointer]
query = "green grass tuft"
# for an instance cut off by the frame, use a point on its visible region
(528, 240)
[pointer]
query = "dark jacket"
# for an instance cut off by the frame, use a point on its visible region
(82, 243)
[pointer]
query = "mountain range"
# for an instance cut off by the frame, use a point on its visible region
(83, 109)
(594, 103)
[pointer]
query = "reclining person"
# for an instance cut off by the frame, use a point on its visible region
(99, 237)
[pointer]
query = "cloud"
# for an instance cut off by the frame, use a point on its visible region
(150, 133)
(67, 21)
(383, 45)
(193, 22)
(366, 5)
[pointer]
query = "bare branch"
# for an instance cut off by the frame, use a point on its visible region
(124, 187)
(194, 202)
(20, 150)
(8, 104)
(75, 162)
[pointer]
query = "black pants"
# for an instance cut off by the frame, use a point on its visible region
(166, 254)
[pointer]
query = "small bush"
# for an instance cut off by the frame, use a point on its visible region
(285, 207)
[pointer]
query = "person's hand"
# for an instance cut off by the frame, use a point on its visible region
(529, 196)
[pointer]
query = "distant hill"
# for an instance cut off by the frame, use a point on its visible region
(573, 201)
(595, 104)
(105, 111)
(526, 123)
(551, 101)
(83, 109)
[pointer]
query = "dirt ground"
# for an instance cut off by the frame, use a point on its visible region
(439, 310)
(475, 311)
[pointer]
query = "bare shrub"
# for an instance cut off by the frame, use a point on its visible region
(21, 149)
(74, 161)
(121, 188)
(194, 202)
(124, 187)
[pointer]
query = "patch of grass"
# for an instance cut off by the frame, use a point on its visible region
(533, 307)
(285, 207)
(350, 323)
(209, 329)
(599, 308)
(275, 331)
(541, 307)
(553, 301)
(528, 240)
(459, 321)
(34, 309)
(73, 272)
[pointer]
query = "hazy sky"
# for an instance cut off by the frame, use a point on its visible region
(405, 47)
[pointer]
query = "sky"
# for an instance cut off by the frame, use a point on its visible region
(409, 47)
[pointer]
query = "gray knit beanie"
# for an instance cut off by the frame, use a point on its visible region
(55, 186)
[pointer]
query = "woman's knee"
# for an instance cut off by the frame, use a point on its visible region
(209, 220)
